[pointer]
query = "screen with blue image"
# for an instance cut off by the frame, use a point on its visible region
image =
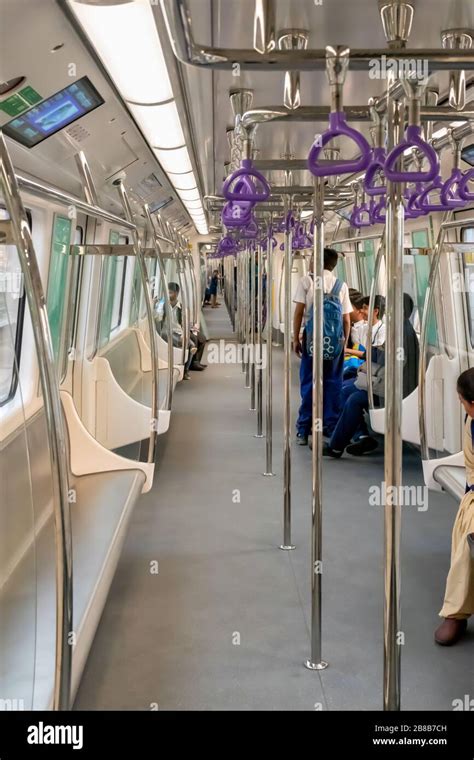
(468, 154)
(54, 113)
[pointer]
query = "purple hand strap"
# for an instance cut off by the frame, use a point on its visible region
(424, 199)
(246, 190)
(463, 191)
(450, 191)
(377, 211)
(237, 214)
(413, 209)
(412, 139)
(338, 127)
(251, 230)
(376, 167)
(357, 218)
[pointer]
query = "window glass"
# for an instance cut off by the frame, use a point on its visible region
(57, 278)
(119, 285)
(467, 236)
(419, 239)
(12, 308)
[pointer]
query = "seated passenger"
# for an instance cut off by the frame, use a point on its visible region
(459, 596)
(362, 327)
(355, 400)
(196, 340)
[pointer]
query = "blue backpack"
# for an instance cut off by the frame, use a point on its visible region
(333, 333)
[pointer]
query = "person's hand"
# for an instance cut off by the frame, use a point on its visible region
(297, 348)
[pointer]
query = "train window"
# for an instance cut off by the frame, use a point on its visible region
(467, 236)
(136, 295)
(12, 310)
(114, 285)
(420, 239)
(57, 278)
(119, 289)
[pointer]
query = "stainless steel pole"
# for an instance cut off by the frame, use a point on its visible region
(316, 662)
(287, 545)
(258, 355)
(269, 349)
(252, 328)
(247, 317)
(393, 440)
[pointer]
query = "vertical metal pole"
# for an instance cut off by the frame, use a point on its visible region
(394, 232)
(258, 355)
(316, 662)
(155, 396)
(269, 348)
(247, 318)
(55, 429)
(287, 545)
(252, 328)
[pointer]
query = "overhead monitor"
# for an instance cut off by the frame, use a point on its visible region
(54, 113)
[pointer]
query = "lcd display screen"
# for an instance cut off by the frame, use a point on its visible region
(54, 113)
(468, 154)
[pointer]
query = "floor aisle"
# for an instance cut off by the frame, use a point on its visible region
(224, 623)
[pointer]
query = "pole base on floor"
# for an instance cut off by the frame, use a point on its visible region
(287, 548)
(252, 408)
(315, 665)
(277, 345)
(268, 474)
(259, 435)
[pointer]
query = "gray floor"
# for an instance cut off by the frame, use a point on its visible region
(224, 624)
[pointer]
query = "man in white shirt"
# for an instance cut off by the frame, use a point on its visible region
(333, 368)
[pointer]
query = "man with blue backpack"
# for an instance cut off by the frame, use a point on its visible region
(336, 329)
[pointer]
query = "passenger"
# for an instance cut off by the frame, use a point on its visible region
(196, 340)
(351, 363)
(362, 329)
(213, 289)
(207, 297)
(332, 368)
(355, 400)
(458, 603)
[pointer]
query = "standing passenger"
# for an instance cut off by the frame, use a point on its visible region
(332, 368)
(213, 289)
(459, 596)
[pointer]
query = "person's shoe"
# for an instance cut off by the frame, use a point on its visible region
(450, 631)
(196, 367)
(329, 452)
(363, 446)
(187, 376)
(302, 439)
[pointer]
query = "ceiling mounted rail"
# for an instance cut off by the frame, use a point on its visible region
(352, 113)
(178, 23)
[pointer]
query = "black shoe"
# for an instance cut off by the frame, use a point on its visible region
(363, 446)
(329, 452)
(301, 439)
(197, 367)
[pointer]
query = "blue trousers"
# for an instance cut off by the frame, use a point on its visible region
(332, 387)
(351, 423)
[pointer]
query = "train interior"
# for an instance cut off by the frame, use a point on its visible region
(159, 527)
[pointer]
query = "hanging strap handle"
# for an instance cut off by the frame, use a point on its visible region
(413, 139)
(376, 167)
(463, 191)
(424, 198)
(246, 190)
(450, 191)
(338, 127)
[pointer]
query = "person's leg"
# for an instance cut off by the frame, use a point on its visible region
(303, 423)
(332, 388)
(201, 345)
(350, 418)
(459, 596)
(213, 300)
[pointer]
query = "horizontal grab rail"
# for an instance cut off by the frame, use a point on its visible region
(52, 193)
